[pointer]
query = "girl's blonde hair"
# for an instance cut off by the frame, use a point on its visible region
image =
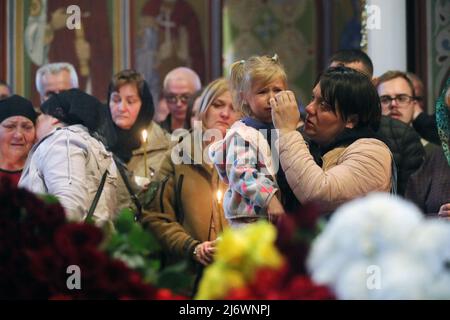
(215, 89)
(246, 73)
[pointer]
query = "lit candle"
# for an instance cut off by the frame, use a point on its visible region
(219, 196)
(144, 138)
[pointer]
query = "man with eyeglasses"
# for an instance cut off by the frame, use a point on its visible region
(398, 100)
(397, 96)
(179, 85)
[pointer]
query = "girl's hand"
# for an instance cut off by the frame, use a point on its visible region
(285, 114)
(204, 252)
(275, 210)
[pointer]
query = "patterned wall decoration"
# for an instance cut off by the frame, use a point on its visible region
(439, 47)
(285, 27)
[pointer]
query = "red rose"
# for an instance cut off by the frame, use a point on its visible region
(303, 288)
(70, 238)
(244, 293)
(166, 294)
(46, 265)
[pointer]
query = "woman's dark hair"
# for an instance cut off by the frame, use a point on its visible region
(351, 93)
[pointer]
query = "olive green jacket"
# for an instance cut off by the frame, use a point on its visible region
(186, 210)
(157, 146)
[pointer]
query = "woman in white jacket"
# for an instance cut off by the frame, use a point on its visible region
(67, 161)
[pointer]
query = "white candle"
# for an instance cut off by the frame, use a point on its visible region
(219, 196)
(144, 139)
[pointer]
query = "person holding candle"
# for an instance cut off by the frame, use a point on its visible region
(131, 110)
(186, 215)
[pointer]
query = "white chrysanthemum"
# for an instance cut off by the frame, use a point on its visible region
(351, 284)
(403, 277)
(396, 275)
(439, 287)
(360, 230)
(431, 245)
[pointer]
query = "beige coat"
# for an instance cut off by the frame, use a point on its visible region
(347, 172)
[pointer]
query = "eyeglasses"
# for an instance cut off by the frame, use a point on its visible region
(173, 98)
(401, 99)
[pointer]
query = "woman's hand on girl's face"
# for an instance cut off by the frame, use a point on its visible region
(285, 114)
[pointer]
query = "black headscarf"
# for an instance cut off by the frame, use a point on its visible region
(16, 106)
(122, 142)
(74, 107)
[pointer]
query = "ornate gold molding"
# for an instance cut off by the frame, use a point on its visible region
(364, 30)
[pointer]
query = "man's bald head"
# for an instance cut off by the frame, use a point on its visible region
(183, 74)
(179, 85)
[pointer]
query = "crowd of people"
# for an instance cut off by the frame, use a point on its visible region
(227, 154)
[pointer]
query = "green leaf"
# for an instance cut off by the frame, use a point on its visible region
(154, 264)
(148, 195)
(48, 198)
(118, 242)
(133, 261)
(141, 240)
(175, 277)
(125, 221)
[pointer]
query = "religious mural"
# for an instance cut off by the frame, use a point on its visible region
(169, 34)
(285, 27)
(46, 39)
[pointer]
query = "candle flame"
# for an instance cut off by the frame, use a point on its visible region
(144, 135)
(219, 195)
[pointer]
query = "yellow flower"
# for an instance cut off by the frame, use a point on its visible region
(239, 254)
(267, 255)
(263, 252)
(217, 281)
(233, 247)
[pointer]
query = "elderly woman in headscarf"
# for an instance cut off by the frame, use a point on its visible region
(130, 112)
(131, 109)
(429, 187)
(17, 135)
(68, 161)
